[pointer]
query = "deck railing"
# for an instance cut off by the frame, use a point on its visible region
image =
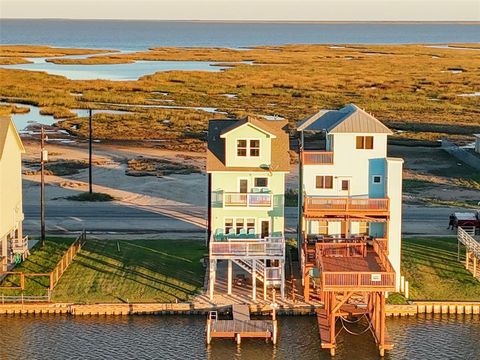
(267, 247)
(317, 157)
(313, 203)
(231, 199)
(469, 241)
(341, 249)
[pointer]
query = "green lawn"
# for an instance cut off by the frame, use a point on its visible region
(142, 271)
(42, 260)
(431, 267)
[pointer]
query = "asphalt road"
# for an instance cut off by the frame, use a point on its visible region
(115, 218)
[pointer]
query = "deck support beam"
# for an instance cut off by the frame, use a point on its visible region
(282, 274)
(229, 278)
(211, 279)
(254, 280)
(306, 286)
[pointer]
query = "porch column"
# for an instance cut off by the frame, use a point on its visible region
(211, 281)
(229, 276)
(254, 280)
(282, 274)
(474, 266)
(306, 285)
(265, 281)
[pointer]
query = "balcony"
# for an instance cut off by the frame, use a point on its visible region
(270, 247)
(250, 200)
(320, 206)
(317, 157)
(355, 268)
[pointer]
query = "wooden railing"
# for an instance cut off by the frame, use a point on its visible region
(469, 241)
(66, 259)
(358, 280)
(313, 204)
(21, 245)
(267, 247)
(380, 247)
(231, 199)
(350, 249)
(317, 157)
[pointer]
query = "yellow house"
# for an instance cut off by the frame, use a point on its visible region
(11, 214)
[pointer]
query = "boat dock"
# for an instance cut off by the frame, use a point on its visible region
(241, 326)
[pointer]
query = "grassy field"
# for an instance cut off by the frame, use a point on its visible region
(409, 87)
(42, 260)
(431, 267)
(142, 271)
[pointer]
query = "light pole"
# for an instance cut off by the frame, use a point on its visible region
(43, 160)
(90, 151)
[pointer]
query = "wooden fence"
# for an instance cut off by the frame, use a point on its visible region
(53, 276)
(67, 259)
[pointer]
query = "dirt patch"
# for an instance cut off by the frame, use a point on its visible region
(142, 166)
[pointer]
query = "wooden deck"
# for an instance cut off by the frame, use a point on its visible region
(241, 326)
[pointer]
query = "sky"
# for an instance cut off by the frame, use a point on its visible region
(238, 10)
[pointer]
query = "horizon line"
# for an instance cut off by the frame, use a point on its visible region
(466, 22)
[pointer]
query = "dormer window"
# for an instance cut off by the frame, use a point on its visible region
(248, 148)
(364, 142)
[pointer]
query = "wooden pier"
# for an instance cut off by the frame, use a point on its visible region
(241, 326)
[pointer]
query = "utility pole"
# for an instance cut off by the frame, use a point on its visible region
(43, 159)
(90, 152)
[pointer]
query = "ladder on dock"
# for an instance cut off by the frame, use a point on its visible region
(241, 326)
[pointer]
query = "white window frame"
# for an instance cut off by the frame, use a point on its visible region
(377, 183)
(248, 156)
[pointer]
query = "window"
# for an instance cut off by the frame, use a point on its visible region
(345, 185)
(364, 142)
(324, 182)
(377, 179)
(239, 225)
(248, 148)
(363, 228)
(261, 182)
(323, 227)
(241, 147)
(228, 225)
(251, 226)
(255, 148)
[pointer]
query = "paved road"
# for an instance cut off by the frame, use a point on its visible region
(116, 218)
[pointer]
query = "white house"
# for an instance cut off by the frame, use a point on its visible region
(11, 211)
(350, 190)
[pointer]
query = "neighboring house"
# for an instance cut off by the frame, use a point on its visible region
(11, 210)
(350, 209)
(477, 143)
(246, 163)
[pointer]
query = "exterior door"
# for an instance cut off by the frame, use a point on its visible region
(243, 186)
(265, 226)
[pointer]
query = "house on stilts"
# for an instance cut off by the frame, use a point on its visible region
(247, 160)
(350, 203)
(14, 246)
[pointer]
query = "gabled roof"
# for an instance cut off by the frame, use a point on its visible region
(249, 120)
(216, 143)
(5, 123)
(349, 119)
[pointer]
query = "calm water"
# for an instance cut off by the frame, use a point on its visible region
(117, 72)
(149, 337)
(139, 35)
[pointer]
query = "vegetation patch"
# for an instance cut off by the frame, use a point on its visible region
(142, 166)
(95, 197)
(134, 271)
(58, 168)
(433, 271)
